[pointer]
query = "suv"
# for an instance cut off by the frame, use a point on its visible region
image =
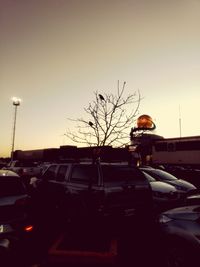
(88, 190)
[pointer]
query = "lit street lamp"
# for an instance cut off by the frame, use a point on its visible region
(16, 102)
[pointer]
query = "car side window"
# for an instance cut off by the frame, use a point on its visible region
(84, 174)
(61, 173)
(50, 173)
(121, 174)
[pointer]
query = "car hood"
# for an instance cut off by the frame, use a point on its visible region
(162, 187)
(183, 185)
(191, 213)
(11, 200)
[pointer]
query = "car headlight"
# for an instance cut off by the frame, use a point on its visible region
(178, 187)
(158, 194)
(164, 219)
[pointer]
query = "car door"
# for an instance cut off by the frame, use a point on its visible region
(46, 187)
(83, 188)
(127, 190)
(54, 187)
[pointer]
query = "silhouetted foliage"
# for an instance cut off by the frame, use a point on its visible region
(109, 119)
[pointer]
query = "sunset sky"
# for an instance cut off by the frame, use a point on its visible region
(55, 53)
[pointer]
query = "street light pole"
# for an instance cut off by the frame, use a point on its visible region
(180, 130)
(16, 103)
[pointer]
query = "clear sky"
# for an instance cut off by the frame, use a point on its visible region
(55, 53)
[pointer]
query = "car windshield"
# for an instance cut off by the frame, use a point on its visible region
(161, 175)
(149, 177)
(113, 173)
(10, 186)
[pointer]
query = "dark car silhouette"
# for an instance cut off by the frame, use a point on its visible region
(14, 208)
(165, 196)
(180, 228)
(181, 185)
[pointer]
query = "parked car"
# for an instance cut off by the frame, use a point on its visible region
(2, 165)
(165, 196)
(25, 169)
(15, 223)
(180, 235)
(193, 199)
(181, 185)
(14, 206)
(93, 190)
(189, 173)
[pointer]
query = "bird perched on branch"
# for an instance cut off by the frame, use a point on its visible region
(91, 123)
(101, 97)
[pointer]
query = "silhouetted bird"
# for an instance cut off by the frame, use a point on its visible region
(101, 97)
(91, 124)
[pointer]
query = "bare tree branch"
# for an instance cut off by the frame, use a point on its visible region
(109, 119)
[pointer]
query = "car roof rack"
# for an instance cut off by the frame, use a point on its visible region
(102, 153)
(70, 153)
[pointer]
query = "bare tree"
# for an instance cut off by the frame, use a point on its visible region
(110, 118)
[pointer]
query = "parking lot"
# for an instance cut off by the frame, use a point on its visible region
(105, 213)
(105, 248)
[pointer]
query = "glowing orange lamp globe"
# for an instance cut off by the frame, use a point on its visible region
(144, 121)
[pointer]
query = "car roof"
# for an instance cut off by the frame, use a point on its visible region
(9, 173)
(116, 163)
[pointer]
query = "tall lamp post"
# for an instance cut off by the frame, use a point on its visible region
(16, 102)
